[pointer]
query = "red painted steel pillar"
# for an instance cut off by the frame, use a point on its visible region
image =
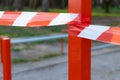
(6, 57)
(79, 48)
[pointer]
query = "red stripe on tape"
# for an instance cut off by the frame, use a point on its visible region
(8, 18)
(111, 36)
(42, 19)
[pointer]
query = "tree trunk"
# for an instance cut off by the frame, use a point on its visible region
(6, 2)
(94, 3)
(18, 5)
(33, 3)
(45, 5)
(106, 5)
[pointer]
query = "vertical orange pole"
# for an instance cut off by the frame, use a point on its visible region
(6, 57)
(79, 48)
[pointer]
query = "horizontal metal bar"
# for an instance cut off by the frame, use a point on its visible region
(38, 38)
(51, 37)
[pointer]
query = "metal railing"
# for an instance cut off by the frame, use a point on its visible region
(51, 37)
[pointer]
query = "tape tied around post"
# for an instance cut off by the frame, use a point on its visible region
(105, 34)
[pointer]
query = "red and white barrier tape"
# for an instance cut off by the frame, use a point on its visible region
(105, 34)
(35, 19)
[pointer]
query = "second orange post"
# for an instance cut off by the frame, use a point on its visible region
(79, 48)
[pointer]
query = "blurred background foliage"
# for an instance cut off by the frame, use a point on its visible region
(45, 5)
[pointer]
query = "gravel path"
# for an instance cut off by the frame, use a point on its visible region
(105, 66)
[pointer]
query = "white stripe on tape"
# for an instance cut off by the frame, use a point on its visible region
(93, 31)
(63, 18)
(24, 18)
(1, 13)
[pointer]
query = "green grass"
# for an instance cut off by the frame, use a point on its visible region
(20, 47)
(50, 55)
(28, 32)
(114, 12)
(59, 10)
(100, 14)
(22, 60)
(19, 60)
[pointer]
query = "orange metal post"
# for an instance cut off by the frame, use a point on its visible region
(79, 48)
(6, 57)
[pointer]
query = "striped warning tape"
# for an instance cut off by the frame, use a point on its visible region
(35, 19)
(106, 34)
(31, 19)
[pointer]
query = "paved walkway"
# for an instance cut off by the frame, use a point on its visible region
(104, 67)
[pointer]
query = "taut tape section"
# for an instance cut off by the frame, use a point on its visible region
(93, 31)
(24, 18)
(29, 19)
(63, 18)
